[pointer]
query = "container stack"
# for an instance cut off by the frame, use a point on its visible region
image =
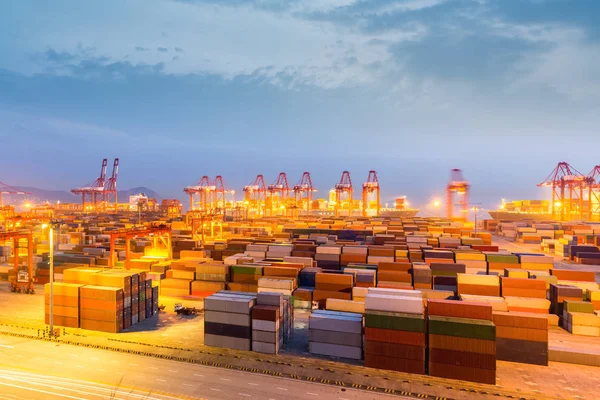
(395, 331)
(118, 279)
(379, 254)
(480, 285)
(65, 309)
(257, 251)
(498, 262)
(334, 286)
(474, 262)
(359, 294)
(102, 308)
(227, 320)
(462, 341)
(394, 274)
(210, 278)
(422, 278)
(521, 337)
(336, 334)
(276, 285)
(536, 262)
(178, 281)
(267, 333)
(244, 278)
(362, 277)
(445, 275)
(523, 287)
(353, 254)
(279, 251)
(579, 318)
(593, 296)
(558, 294)
(328, 257)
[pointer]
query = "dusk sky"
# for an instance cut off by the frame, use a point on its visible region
(502, 89)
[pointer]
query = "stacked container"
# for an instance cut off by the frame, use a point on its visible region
(267, 334)
(210, 278)
(227, 320)
(395, 331)
(480, 285)
(396, 273)
(521, 337)
(462, 341)
(66, 298)
(101, 308)
(335, 286)
(244, 278)
(579, 318)
(337, 334)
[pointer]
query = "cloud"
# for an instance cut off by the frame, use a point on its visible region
(162, 50)
(178, 50)
(140, 48)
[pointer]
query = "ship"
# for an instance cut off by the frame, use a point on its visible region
(521, 210)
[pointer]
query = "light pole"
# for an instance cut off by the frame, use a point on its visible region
(436, 204)
(475, 209)
(51, 259)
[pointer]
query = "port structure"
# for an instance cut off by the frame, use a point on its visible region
(255, 197)
(156, 233)
(303, 193)
(593, 185)
(18, 282)
(96, 196)
(279, 196)
(567, 191)
(8, 211)
(461, 187)
(344, 194)
(371, 188)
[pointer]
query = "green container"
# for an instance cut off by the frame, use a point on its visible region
(502, 258)
(578, 306)
(395, 321)
(238, 269)
(462, 327)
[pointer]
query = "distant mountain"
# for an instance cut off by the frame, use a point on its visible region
(64, 196)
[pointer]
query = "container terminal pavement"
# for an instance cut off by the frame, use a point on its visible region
(412, 299)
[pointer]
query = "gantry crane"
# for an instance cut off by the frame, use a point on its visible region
(565, 181)
(344, 187)
(255, 195)
(20, 282)
(461, 187)
(303, 192)
(160, 233)
(593, 185)
(370, 187)
(110, 189)
(278, 195)
(199, 194)
(93, 192)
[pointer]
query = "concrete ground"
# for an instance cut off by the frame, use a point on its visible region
(33, 369)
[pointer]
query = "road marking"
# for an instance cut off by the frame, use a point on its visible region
(253, 384)
(57, 362)
(17, 355)
(160, 380)
(73, 355)
(341, 398)
(312, 394)
(281, 388)
(133, 365)
(117, 362)
(187, 384)
(152, 367)
(7, 346)
(171, 370)
(79, 366)
(101, 370)
(199, 375)
(226, 380)
(94, 358)
(216, 390)
(244, 394)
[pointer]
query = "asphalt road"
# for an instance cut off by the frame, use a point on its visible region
(32, 369)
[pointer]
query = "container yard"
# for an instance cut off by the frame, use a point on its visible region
(430, 298)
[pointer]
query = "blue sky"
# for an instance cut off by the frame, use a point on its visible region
(503, 89)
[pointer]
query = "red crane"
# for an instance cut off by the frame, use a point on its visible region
(303, 191)
(368, 188)
(593, 184)
(279, 192)
(199, 194)
(565, 181)
(5, 189)
(94, 191)
(344, 187)
(110, 190)
(255, 195)
(460, 186)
